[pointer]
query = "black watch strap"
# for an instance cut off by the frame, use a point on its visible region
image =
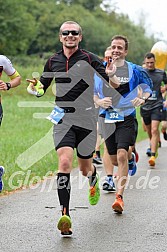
(8, 85)
(143, 98)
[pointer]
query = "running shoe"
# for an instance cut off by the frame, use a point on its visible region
(2, 170)
(118, 204)
(132, 165)
(137, 155)
(164, 134)
(97, 160)
(148, 152)
(94, 192)
(152, 161)
(109, 185)
(64, 225)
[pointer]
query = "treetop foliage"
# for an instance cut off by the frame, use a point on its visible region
(32, 27)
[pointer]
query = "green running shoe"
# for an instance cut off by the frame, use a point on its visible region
(94, 192)
(64, 225)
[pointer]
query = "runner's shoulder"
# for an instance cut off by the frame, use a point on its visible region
(4, 61)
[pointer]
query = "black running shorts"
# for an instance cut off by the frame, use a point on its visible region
(150, 115)
(123, 136)
(81, 135)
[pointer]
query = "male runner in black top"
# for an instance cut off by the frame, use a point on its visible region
(73, 69)
(151, 111)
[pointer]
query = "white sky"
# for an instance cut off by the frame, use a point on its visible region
(155, 13)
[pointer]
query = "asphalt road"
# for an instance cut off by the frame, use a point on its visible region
(28, 218)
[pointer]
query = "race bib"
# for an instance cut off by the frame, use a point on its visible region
(56, 115)
(153, 97)
(113, 116)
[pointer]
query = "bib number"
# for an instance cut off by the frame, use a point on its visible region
(56, 115)
(153, 97)
(113, 116)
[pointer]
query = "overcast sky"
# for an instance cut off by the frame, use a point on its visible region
(155, 14)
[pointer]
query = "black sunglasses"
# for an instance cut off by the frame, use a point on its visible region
(66, 33)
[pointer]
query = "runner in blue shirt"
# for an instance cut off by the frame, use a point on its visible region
(120, 132)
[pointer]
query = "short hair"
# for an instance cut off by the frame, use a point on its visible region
(71, 22)
(149, 55)
(108, 48)
(123, 38)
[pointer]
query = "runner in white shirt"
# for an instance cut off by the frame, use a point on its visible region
(15, 80)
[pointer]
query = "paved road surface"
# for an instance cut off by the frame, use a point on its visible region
(28, 218)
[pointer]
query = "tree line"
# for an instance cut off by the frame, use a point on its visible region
(32, 27)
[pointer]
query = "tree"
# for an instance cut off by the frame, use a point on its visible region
(32, 26)
(17, 27)
(87, 4)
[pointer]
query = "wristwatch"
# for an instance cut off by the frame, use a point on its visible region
(8, 85)
(143, 98)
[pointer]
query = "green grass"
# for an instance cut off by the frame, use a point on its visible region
(141, 133)
(20, 131)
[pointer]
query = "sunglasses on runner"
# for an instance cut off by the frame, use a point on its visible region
(73, 32)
